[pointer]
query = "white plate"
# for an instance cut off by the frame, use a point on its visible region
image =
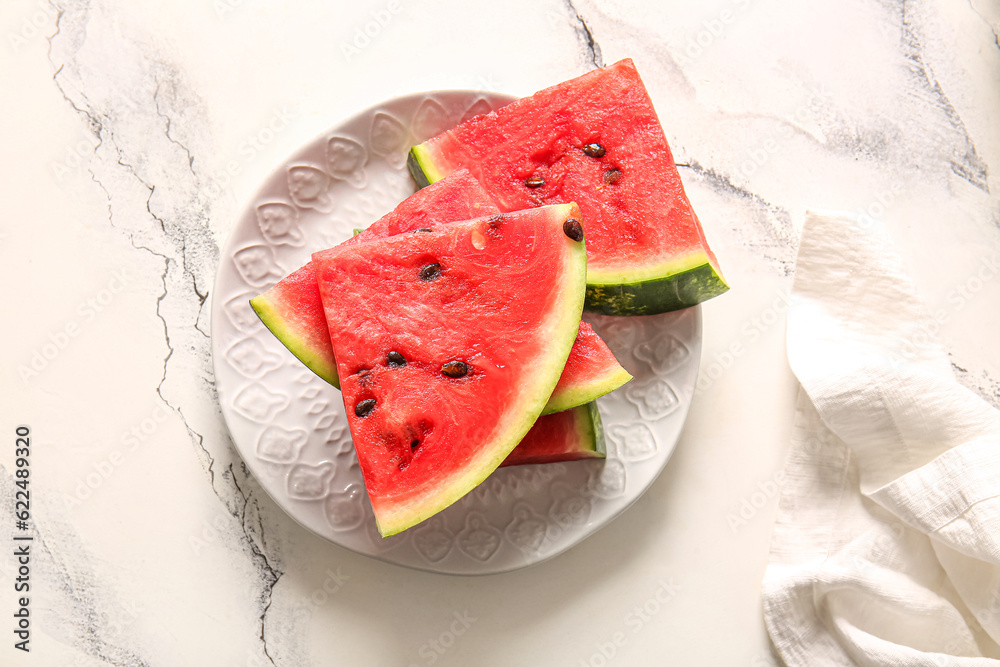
(290, 428)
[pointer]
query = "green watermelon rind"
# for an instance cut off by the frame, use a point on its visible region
(276, 323)
(673, 291)
(636, 290)
(559, 331)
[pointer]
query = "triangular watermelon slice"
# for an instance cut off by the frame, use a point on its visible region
(591, 372)
(572, 435)
(595, 140)
(292, 309)
(448, 344)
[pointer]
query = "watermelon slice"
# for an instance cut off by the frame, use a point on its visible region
(571, 435)
(293, 311)
(448, 345)
(595, 140)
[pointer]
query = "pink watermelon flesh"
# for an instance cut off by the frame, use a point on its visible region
(460, 198)
(595, 140)
(570, 435)
(293, 311)
(448, 345)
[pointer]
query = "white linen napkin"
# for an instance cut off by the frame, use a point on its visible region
(886, 547)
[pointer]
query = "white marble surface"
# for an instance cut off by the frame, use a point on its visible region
(134, 134)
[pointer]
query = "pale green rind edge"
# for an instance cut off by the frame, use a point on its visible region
(274, 322)
(421, 167)
(587, 392)
(511, 434)
(600, 446)
(591, 422)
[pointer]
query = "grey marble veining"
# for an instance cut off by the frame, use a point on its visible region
(885, 108)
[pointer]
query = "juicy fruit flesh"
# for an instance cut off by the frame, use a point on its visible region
(293, 310)
(609, 107)
(538, 151)
(461, 197)
(506, 302)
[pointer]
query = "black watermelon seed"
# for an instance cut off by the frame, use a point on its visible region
(455, 369)
(422, 229)
(535, 182)
(395, 359)
(430, 272)
(414, 444)
(594, 150)
(611, 176)
(573, 229)
(365, 407)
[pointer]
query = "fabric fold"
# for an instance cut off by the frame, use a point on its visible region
(886, 547)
